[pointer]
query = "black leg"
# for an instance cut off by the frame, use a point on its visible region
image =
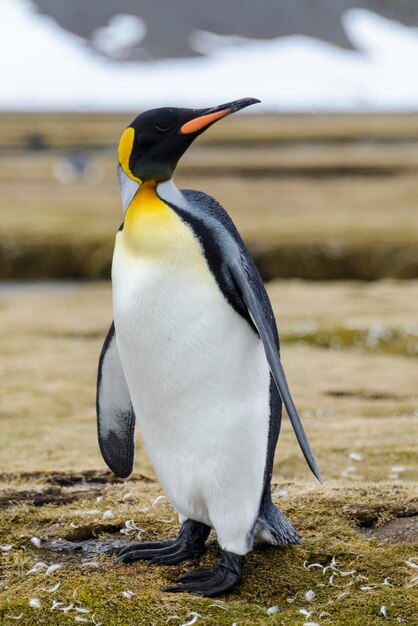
(212, 581)
(189, 543)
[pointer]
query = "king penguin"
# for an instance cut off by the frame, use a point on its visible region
(193, 356)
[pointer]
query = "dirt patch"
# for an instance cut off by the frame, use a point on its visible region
(83, 533)
(63, 479)
(51, 495)
(387, 523)
(367, 516)
(363, 394)
(89, 547)
(60, 489)
(68, 479)
(400, 530)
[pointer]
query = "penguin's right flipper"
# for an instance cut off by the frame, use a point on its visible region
(115, 414)
(249, 289)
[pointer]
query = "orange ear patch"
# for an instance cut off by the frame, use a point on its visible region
(201, 122)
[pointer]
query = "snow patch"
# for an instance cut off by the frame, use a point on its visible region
(122, 34)
(45, 68)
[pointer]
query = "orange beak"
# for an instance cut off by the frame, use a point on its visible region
(206, 117)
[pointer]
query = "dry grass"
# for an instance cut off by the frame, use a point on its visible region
(293, 226)
(313, 197)
(35, 207)
(92, 129)
(54, 337)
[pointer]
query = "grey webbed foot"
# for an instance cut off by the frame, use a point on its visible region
(212, 581)
(189, 543)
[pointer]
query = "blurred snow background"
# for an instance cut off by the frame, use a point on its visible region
(44, 67)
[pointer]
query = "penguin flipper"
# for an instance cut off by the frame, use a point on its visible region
(115, 414)
(243, 277)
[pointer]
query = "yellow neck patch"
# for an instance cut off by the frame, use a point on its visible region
(150, 224)
(125, 150)
(154, 233)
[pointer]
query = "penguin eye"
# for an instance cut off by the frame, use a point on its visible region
(162, 126)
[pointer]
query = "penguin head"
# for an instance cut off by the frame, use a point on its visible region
(153, 143)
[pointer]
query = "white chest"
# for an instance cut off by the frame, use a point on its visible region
(175, 327)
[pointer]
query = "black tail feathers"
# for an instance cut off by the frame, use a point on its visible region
(273, 527)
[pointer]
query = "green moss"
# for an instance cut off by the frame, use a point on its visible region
(375, 339)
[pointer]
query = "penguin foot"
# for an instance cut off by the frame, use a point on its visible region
(212, 581)
(189, 543)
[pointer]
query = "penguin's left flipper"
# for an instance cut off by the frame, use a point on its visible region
(115, 414)
(212, 581)
(249, 290)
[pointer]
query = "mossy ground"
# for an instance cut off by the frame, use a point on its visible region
(359, 406)
(362, 576)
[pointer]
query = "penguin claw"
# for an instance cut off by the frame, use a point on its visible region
(198, 574)
(152, 545)
(145, 551)
(211, 581)
(189, 543)
(219, 581)
(176, 557)
(170, 555)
